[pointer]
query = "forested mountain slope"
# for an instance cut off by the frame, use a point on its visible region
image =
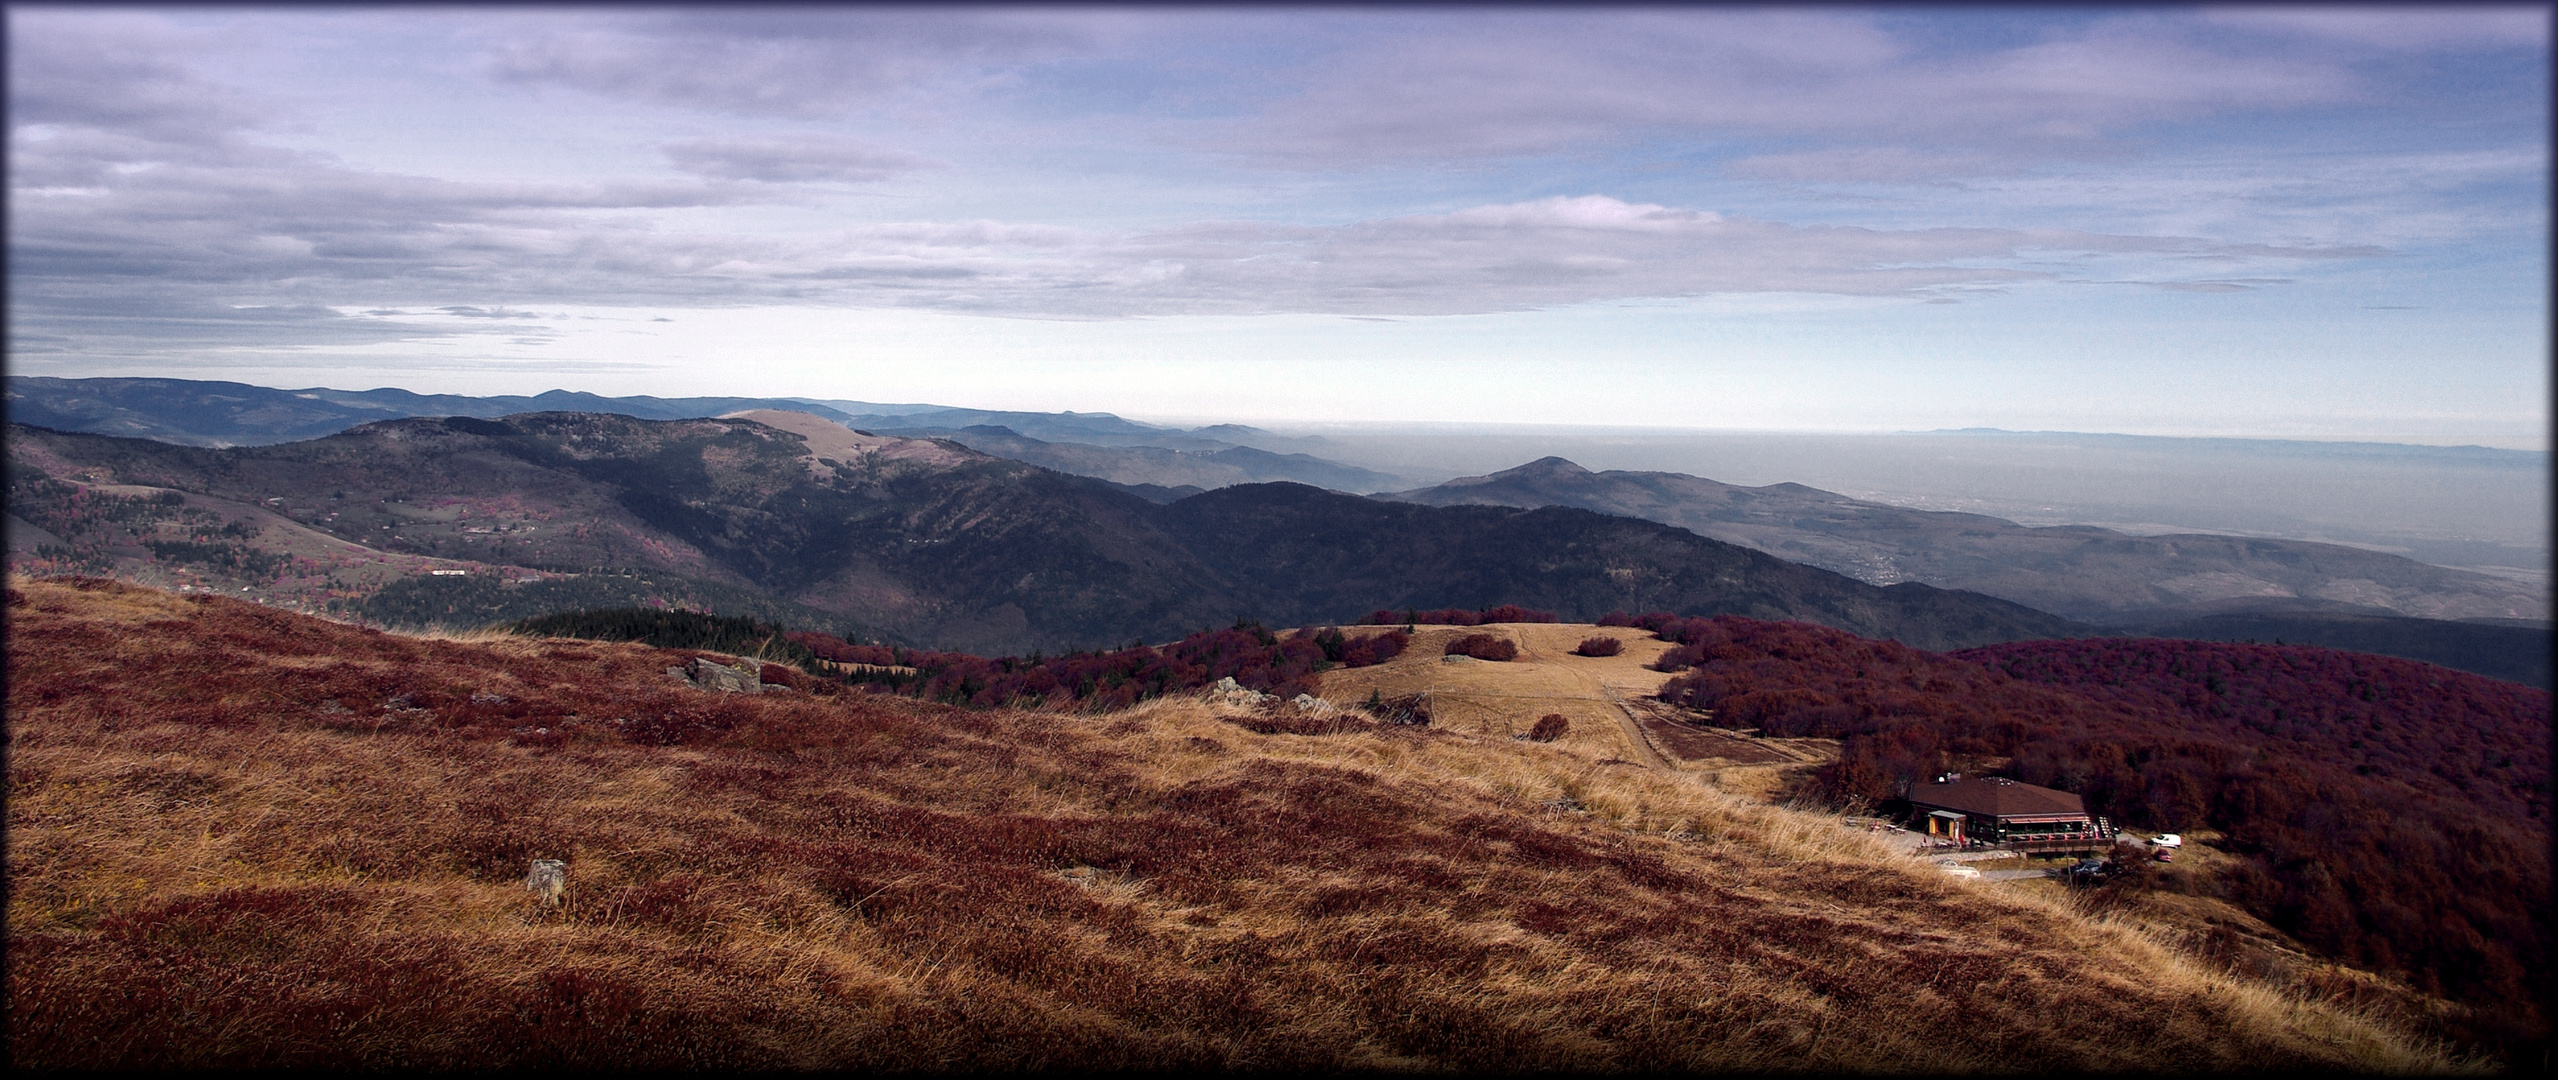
(933, 543)
(2392, 814)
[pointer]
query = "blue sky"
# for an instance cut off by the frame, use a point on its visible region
(2278, 222)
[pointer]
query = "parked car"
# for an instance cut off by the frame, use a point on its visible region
(2167, 840)
(2165, 855)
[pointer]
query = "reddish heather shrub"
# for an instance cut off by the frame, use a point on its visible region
(1483, 647)
(2333, 775)
(1374, 649)
(1652, 621)
(1549, 727)
(1600, 646)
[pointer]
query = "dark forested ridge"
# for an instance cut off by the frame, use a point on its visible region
(929, 542)
(2392, 814)
(1301, 555)
(666, 629)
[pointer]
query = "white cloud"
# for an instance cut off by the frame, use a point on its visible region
(318, 235)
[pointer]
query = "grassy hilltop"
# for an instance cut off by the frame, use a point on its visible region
(244, 837)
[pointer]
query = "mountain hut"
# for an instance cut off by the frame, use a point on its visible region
(1997, 810)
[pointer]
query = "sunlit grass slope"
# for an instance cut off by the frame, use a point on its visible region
(242, 837)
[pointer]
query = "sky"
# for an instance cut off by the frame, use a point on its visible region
(2288, 222)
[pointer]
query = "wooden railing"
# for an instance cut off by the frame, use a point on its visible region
(2072, 843)
(2086, 843)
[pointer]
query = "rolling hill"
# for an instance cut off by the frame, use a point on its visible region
(240, 837)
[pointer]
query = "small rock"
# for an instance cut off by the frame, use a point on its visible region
(712, 675)
(548, 880)
(1230, 692)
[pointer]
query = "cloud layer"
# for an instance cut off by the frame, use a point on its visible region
(191, 238)
(1369, 163)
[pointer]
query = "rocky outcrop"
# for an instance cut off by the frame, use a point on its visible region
(704, 673)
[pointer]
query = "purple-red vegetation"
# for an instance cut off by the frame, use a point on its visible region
(377, 799)
(1374, 648)
(1483, 647)
(1255, 658)
(2388, 813)
(1653, 621)
(1506, 613)
(1600, 646)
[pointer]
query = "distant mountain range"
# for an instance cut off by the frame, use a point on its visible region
(2200, 587)
(2189, 585)
(922, 540)
(1171, 461)
(2086, 573)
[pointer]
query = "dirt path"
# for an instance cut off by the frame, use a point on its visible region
(1632, 726)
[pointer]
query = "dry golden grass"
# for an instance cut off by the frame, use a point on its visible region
(1603, 699)
(1506, 698)
(239, 837)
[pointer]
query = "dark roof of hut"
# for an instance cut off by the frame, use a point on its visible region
(1996, 796)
